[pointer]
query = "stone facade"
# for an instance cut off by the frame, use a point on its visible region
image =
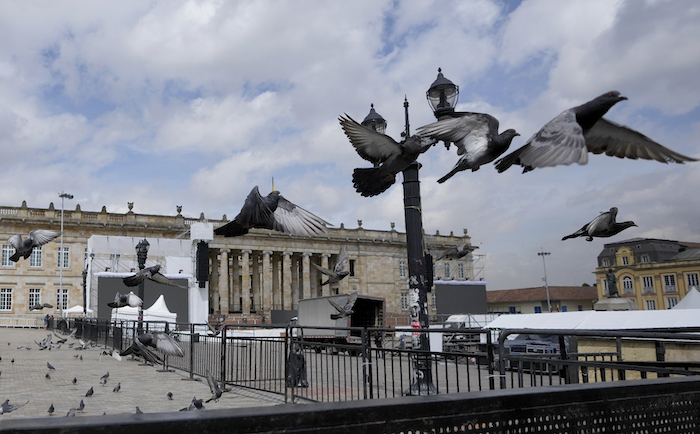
(253, 274)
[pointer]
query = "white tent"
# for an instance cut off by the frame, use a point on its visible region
(690, 301)
(76, 310)
(157, 312)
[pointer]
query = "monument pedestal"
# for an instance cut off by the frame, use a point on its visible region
(615, 303)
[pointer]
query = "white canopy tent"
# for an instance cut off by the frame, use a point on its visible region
(157, 312)
(690, 301)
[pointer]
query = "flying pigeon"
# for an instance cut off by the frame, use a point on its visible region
(36, 238)
(272, 212)
(476, 136)
(130, 299)
(151, 273)
(40, 306)
(6, 407)
(62, 340)
(161, 341)
(345, 310)
(215, 388)
(113, 353)
(338, 272)
(117, 388)
(215, 329)
(89, 392)
(71, 413)
(51, 410)
(388, 156)
(603, 226)
(456, 252)
(196, 404)
(569, 137)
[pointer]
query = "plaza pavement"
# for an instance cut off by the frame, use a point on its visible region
(142, 386)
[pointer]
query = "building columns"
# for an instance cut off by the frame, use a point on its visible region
(223, 281)
(245, 281)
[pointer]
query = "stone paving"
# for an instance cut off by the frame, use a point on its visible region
(142, 386)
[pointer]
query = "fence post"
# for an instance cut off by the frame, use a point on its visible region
(489, 359)
(223, 354)
(366, 360)
(287, 337)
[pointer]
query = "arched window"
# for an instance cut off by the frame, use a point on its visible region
(627, 285)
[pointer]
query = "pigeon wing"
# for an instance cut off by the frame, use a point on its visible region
(325, 271)
(559, 142)
(336, 305)
(167, 345)
(40, 237)
(369, 144)
(620, 141)
(342, 260)
(470, 131)
(160, 278)
(135, 279)
(352, 298)
(16, 241)
(295, 220)
(254, 213)
(601, 223)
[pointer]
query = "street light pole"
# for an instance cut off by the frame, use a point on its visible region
(546, 286)
(141, 256)
(61, 264)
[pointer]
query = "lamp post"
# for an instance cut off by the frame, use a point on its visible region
(61, 256)
(141, 255)
(546, 287)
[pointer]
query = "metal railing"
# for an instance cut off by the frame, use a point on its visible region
(345, 364)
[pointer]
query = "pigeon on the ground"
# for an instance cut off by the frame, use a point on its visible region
(456, 252)
(75, 380)
(40, 306)
(603, 226)
(47, 376)
(272, 212)
(388, 156)
(71, 413)
(476, 136)
(215, 388)
(81, 406)
(569, 137)
(338, 272)
(130, 299)
(151, 273)
(138, 410)
(51, 410)
(170, 396)
(36, 238)
(51, 368)
(117, 388)
(161, 341)
(90, 392)
(345, 310)
(196, 404)
(6, 407)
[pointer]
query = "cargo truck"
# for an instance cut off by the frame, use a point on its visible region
(368, 311)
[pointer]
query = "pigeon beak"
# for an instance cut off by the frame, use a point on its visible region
(622, 98)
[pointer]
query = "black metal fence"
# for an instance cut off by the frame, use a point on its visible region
(303, 364)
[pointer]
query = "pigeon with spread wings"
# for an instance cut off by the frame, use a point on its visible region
(36, 238)
(150, 273)
(161, 341)
(603, 226)
(272, 212)
(569, 137)
(130, 299)
(388, 156)
(345, 310)
(338, 272)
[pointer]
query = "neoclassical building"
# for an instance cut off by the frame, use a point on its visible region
(251, 275)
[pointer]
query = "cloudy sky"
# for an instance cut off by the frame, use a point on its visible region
(192, 103)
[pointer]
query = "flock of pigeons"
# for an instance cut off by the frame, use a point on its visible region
(143, 346)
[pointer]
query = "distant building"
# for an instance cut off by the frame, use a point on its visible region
(656, 273)
(534, 300)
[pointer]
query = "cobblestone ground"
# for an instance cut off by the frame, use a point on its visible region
(142, 386)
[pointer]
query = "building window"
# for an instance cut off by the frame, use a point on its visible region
(34, 296)
(606, 263)
(5, 299)
(7, 251)
(670, 283)
(352, 267)
(627, 285)
(671, 301)
(62, 299)
(648, 284)
(448, 274)
(625, 261)
(564, 309)
(693, 280)
(404, 301)
(402, 268)
(114, 261)
(645, 259)
(63, 257)
(538, 309)
(580, 307)
(651, 304)
(460, 270)
(433, 300)
(35, 257)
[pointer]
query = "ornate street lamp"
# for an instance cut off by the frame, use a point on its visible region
(62, 257)
(141, 255)
(546, 287)
(442, 96)
(374, 121)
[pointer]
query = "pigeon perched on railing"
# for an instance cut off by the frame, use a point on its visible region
(476, 137)
(161, 341)
(388, 156)
(338, 272)
(456, 252)
(36, 238)
(345, 310)
(130, 299)
(150, 273)
(569, 137)
(603, 226)
(272, 212)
